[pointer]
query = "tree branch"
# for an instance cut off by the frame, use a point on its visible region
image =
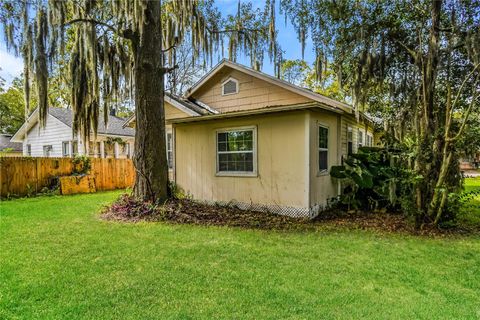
(169, 69)
(127, 34)
(243, 30)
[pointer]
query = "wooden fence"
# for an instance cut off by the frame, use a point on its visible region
(24, 175)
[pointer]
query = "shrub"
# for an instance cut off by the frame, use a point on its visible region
(374, 178)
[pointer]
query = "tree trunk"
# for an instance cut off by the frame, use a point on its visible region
(427, 161)
(150, 158)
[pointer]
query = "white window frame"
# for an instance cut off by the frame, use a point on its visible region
(350, 131)
(169, 150)
(48, 148)
(324, 171)
(29, 150)
(360, 142)
(253, 173)
(369, 140)
(237, 84)
(68, 149)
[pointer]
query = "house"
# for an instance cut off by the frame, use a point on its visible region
(8, 148)
(252, 140)
(56, 139)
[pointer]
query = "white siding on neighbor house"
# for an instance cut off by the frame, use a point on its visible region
(53, 134)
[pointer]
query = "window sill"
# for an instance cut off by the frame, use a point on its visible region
(237, 174)
(322, 173)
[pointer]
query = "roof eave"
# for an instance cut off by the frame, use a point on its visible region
(252, 112)
(284, 84)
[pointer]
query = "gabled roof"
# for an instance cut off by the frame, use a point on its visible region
(325, 101)
(5, 143)
(190, 107)
(114, 126)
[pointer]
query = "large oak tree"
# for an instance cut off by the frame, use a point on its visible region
(119, 50)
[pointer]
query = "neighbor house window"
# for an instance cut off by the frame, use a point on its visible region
(29, 149)
(322, 149)
(349, 140)
(75, 147)
(360, 138)
(98, 151)
(47, 150)
(169, 151)
(230, 87)
(369, 140)
(65, 148)
(236, 149)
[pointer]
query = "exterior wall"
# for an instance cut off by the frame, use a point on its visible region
(56, 132)
(350, 121)
(282, 155)
(53, 134)
(322, 186)
(253, 93)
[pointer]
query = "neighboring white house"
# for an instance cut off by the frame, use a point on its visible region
(56, 139)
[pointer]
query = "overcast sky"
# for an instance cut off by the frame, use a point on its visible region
(12, 66)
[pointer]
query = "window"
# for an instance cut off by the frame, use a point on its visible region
(98, 151)
(236, 151)
(360, 138)
(47, 150)
(230, 87)
(29, 150)
(322, 149)
(65, 148)
(369, 140)
(75, 147)
(349, 141)
(126, 149)
(169, 151)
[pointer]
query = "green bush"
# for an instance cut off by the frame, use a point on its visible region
(374, 178)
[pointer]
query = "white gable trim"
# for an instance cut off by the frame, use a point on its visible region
(172, 102)
(26, 126)
(263, 76)
(181, 107)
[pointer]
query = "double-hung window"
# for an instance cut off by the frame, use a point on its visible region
(169, 151)
(369, 140)
(360, 138)
(65, 148)
(322, 149)
(47, 150)
(349, 140)
(236, 151)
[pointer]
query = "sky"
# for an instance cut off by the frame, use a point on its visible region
(12, 66)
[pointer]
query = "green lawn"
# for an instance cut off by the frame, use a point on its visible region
(59, 261)
(470, 213)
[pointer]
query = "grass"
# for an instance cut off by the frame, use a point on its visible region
(470, 213)
(59, 261)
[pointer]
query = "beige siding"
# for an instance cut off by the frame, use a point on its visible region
(281, 152)
(322, 186)
(253, 93)
(350, 121)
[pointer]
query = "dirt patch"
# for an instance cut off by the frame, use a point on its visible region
(184, 211)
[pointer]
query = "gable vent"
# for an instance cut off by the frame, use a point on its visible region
(230, 87)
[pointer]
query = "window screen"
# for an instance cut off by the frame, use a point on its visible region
(169, 151)
(230, 87)
(235, 151)
(322, 149)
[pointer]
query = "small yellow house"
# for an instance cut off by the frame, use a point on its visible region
(242, 137)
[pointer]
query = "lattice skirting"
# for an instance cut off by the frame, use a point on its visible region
(295, 212)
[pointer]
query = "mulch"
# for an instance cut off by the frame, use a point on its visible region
(185, 211)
